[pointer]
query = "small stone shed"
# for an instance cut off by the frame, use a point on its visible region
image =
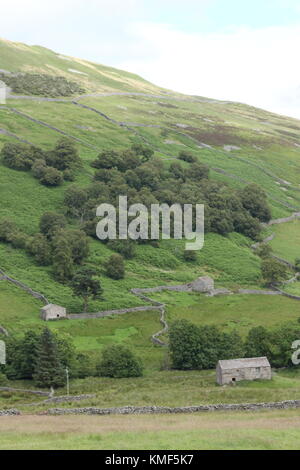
(203, 284)
(234, 370)
(53, 312)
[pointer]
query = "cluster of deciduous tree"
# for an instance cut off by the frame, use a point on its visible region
(43, 356)
(194, 347)
(51, 168)
(201, 347)
(147, 180)
(41, 84)
(55, 244)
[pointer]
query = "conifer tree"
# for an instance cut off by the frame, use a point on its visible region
(49, 371)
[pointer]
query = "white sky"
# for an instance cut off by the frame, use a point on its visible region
(215, 48)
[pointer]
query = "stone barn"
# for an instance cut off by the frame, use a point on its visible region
(203, 284)
(53, 312)
(234, 370)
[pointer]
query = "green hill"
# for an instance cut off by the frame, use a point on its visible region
(116, 109)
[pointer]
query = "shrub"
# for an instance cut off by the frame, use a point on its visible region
(8, 229)
(190, 255)
(254, 199)
(65, 155)
(107, 159)
(75, 200)
(115, 267)
(39, 247)
(18, 240)
(197, 171)
(68, 175)
(50, 223)
(141, 150)
(264, 251)
(119, 362)
(78, 243)
(17, 156)
(187, 157)
(247, 225)
(39, 168)
(125, 247)
(273, 271)
(51, 177)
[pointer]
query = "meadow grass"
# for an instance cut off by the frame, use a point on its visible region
(166, 387)
(286, 243)
(233, 312)
(267, 430)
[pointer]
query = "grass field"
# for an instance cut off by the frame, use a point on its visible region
(266, 430)
(233, 312)
(286, 243)
(169, 388)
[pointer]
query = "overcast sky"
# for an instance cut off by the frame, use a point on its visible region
(240, 50)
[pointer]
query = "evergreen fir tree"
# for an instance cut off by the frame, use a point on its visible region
(49, 371)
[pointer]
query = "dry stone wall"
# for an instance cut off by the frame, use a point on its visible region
(166, 410)
(9, 412)
(27, 289)
(106, 313)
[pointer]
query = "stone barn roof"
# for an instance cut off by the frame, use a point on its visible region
(244, 363)
(49, 306)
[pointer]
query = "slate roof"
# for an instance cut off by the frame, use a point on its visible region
(47, 307)
(244, 363)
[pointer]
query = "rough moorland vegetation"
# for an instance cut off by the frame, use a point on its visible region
(41, 84)
(51, 168)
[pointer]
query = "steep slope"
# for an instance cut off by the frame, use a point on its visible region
(18, 57)
(239, 143)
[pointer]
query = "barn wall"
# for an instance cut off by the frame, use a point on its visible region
(248, 373)
(51, 313)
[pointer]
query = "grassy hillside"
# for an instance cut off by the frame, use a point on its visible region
(239, 143)
(18, 57)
